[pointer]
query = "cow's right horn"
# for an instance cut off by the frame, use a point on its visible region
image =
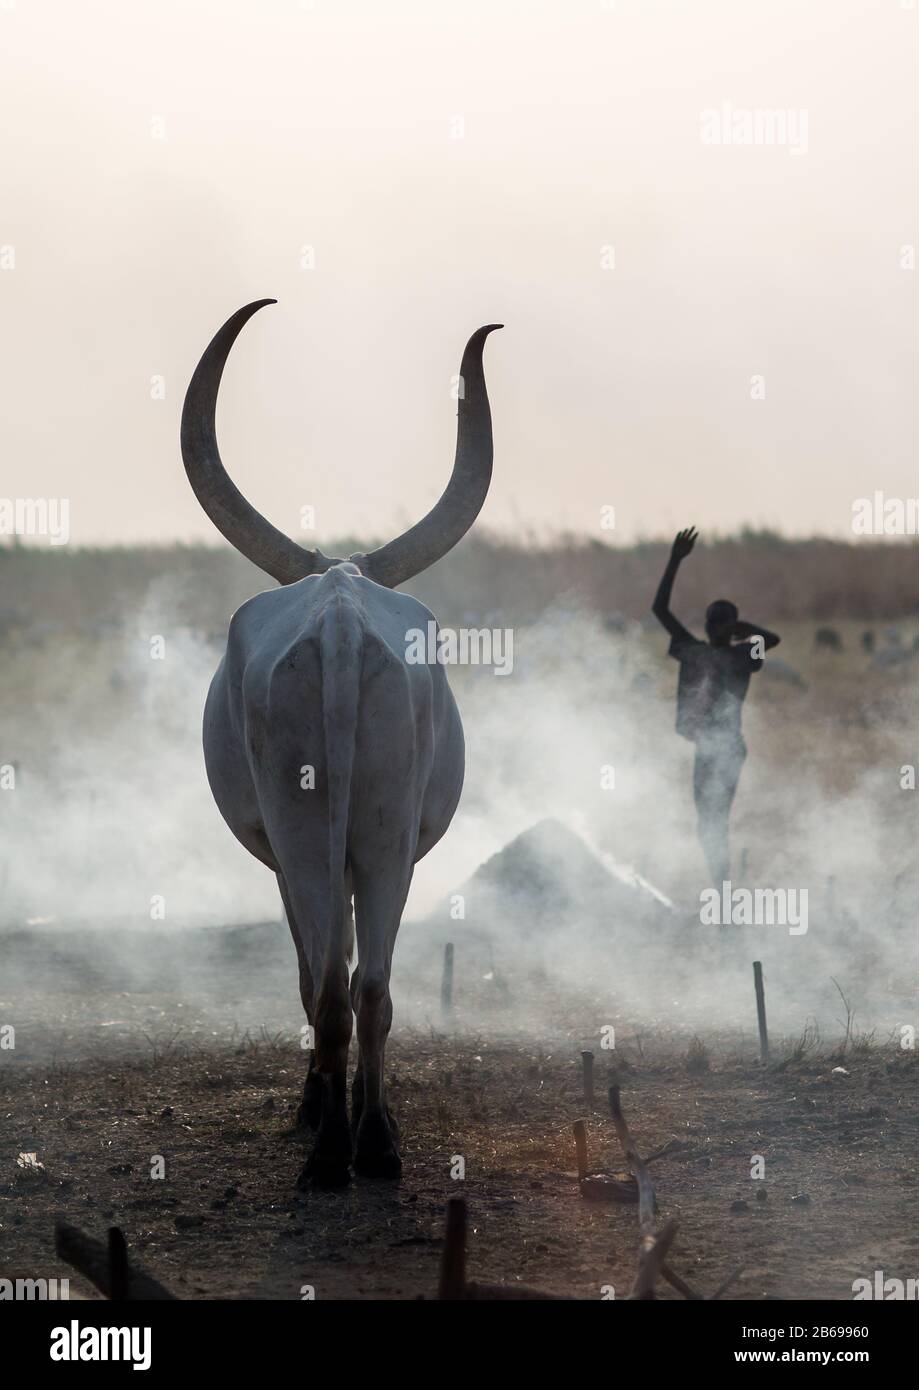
(242, 525)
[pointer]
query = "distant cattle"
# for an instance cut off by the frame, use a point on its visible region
(827, 639)
(891, 656)
(895, 653)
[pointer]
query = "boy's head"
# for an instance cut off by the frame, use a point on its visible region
(720, 617)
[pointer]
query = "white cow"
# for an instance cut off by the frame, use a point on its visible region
(333, 759)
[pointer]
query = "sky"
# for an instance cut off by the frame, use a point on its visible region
(696, 332)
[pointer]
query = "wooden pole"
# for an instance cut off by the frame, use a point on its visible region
(453, 1260)
(580, 1140)
(761, 1010)
(117, 1265)
(94, 1260)
(587, 1062)
(446, 984)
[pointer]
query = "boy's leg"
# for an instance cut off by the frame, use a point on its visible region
(715, 777)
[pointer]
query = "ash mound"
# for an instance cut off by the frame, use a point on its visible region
(545, 884)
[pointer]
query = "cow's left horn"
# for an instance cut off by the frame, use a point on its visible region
(449, 520)
(242, 525)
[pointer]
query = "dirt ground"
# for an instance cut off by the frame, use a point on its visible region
(227, 1222)
(179, 1038)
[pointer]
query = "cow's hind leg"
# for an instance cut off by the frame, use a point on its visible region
(378, 909)
(324, 985)
(357, 1085)
(328, 1164)
(310, 1109)
(325, 1096)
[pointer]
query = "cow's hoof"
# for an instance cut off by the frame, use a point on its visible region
(378, 1163)
(309, 1111)
(357, 1112)
(375, 1153)
(324, 1173)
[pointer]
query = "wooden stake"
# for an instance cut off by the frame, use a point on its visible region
(587, 1060)
(446, 984)
(453, 1260)
(117, 1265)
(94, 1260)
(580, 1140)
(761, 1011)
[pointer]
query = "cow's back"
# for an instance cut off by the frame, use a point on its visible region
(271, 688)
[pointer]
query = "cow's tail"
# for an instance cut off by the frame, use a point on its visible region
(340, 641)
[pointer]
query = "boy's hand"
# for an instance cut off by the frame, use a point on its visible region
(684, 542)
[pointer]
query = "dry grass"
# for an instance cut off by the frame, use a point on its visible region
(817, 580)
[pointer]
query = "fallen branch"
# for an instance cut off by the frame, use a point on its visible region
(731, 1279)
(652, 1252)
(642, 1175)
(653, 1245)
(672, 1146)
(681, 1286)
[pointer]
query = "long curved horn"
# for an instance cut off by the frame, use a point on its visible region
(242, 525)
(450, 518)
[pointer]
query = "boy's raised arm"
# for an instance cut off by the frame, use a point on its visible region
(682, 545)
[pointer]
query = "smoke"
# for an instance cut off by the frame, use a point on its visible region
(112, 826)
(111, 818)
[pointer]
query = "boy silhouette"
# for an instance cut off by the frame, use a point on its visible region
(714, 677)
